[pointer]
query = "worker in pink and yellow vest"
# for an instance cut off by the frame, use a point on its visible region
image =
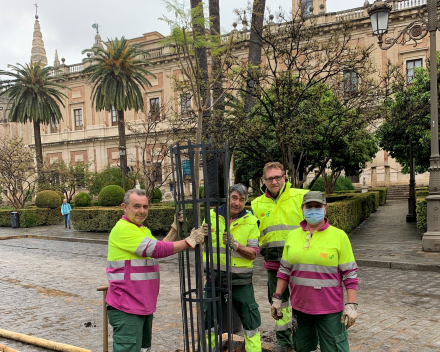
(133, 272)
(317, 260)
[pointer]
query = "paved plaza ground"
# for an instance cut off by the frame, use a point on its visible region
(48, 288)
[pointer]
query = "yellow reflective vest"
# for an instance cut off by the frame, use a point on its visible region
(277, 218)
(245, 231)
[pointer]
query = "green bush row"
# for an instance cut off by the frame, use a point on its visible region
(102, 219)
(383, 192)
(32, 217)
(422, 214)
(351, 211)
(346, 214)
(422, 193)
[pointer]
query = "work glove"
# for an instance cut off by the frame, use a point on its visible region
(233, 244)
(197, 236)
(275, 309)
(179, 220)
(349, 314)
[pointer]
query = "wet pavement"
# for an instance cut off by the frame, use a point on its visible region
(48, 289)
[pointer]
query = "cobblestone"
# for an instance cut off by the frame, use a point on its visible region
(49, 291)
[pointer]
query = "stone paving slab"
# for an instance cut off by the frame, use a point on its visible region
(48, 290)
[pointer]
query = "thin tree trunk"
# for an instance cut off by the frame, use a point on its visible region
(255, 47)
(38, 147)
(202, 58)
(122, 143)
(217, 113)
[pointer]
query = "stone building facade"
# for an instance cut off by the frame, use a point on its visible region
(87, 135)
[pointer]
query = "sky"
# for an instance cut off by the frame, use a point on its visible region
(67, 25)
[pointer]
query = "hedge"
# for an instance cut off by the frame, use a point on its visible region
(102, 219)
(83, 199)
(32, 217)
(422, 193)
(345, 214)
(383, 193)
(422, 214)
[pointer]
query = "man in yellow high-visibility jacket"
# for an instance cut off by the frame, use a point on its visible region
(279, 212)
(243, 243)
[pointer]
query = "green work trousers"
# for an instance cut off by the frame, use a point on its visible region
(243, 300)
(131, 333)
(325, 328)
(283, 327)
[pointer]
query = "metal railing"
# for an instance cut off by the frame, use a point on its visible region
(104, 290)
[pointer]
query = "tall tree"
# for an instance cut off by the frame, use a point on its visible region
(34, 95)
(117, 74)
(255, 45)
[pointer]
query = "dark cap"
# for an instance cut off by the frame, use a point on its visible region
(314, 196)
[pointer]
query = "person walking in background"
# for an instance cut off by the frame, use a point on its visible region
(279, 212)
(65, 211)
(317, 259)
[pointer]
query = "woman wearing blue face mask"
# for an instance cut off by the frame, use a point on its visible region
(317, 260)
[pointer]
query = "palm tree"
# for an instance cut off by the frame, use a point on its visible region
(117, 73)
(34, 95)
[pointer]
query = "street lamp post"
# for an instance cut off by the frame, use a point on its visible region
(121, 154)
(416, 30)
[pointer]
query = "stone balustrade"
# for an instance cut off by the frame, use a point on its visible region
(244, 34)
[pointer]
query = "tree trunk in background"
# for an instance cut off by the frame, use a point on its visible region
(38, 147)
(202, 57)
(122, 143)
(255, 47)
(218, 109)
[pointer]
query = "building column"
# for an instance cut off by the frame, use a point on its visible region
(387, 176)
(373, 176)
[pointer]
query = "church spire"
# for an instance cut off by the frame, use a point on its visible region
(56, 63)
(38, 51)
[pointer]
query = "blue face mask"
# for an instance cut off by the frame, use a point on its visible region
(314, 216)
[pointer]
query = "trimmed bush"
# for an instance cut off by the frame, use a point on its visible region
(100, 219)
(201, 192)
(422, 193)
(61, 194)
(422, 215)
(48, 199)
(32, 217)
(157, 196)
(83, 199)
(383, 192)
(111, 196)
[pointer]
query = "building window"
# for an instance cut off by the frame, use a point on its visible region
(185, 103)
(305, 6)
(154, 109)
(114, 116)
(77, 113)
(53, 124)
(157, 173)
(411, 66)
(350, 82)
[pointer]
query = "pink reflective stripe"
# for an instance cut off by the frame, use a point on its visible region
(273, 266)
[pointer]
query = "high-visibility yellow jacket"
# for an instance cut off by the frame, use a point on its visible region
(277, 218)
(316, 266)
(132, 268)
(245, 231)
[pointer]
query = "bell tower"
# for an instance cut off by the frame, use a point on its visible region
(319, 6)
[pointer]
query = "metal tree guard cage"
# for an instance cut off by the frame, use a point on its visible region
(201, 305)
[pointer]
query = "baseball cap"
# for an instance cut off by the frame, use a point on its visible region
(314, 196)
